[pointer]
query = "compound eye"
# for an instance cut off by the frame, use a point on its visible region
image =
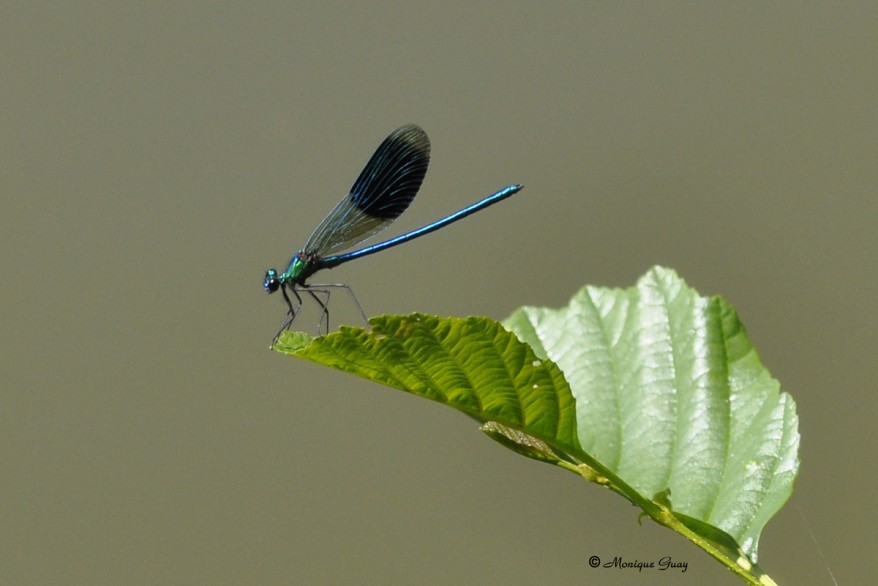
(271, 282)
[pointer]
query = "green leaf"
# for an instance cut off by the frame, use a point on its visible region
(472, 364)
(667, 404)
(671, 395)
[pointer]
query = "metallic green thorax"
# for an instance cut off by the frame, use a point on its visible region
(301, 267)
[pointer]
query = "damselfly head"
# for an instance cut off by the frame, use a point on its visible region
(271, 282)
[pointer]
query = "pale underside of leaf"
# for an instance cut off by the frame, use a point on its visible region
(671, 394)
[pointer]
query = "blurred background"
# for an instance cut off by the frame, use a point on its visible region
(158, 157)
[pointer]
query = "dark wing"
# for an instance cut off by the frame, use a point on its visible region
(383, 191)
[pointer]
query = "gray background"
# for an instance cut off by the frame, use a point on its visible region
(157, 157)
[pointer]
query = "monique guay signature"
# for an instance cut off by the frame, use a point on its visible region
(665, 563)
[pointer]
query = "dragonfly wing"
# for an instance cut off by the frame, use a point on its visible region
(385, 188)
